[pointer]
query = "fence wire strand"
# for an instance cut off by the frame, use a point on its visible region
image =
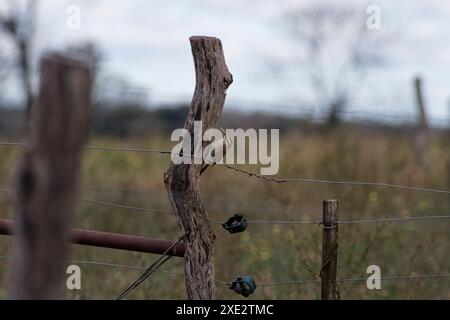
(264, 284)
(280, 222)
(164, 257)
(253, 174)
(121, 206)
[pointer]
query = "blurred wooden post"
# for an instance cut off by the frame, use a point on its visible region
(421, 108)
(182, 180)
(421, 135)
(329, 249)
(47, 176)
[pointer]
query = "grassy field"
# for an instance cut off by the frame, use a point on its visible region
(270, 253)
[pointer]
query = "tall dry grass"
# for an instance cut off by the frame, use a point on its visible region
(271, 253)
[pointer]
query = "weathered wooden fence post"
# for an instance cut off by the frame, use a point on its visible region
(421, 108)
(422, 129)
(182, 180)
(46, 178)
(329, 249)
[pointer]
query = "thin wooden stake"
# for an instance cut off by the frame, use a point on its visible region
(423, 121)
(329, 249)
(421, 137)
(182, 180)
(46, 179)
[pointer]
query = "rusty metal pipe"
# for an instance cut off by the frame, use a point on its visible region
(111, 240)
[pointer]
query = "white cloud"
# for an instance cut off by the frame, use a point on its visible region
(147, 41)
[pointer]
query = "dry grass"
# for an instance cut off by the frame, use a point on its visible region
(272, 253)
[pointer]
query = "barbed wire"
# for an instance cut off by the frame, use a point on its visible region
(349, 183)
(253, 174)
(364, 183)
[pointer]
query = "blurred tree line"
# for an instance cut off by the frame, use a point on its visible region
(120, 108)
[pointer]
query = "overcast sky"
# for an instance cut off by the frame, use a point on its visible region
(147, 42)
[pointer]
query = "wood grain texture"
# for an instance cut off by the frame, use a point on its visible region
(47, 176)
(182, 181)
(329, 249)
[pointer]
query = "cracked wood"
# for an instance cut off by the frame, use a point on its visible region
(182, 181)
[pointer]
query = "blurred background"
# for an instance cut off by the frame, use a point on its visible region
(360, 92)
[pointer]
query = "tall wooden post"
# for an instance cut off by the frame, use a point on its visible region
(421, 108)
(47, 176)
(182, 180)
(421, 134)
(329, 249)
